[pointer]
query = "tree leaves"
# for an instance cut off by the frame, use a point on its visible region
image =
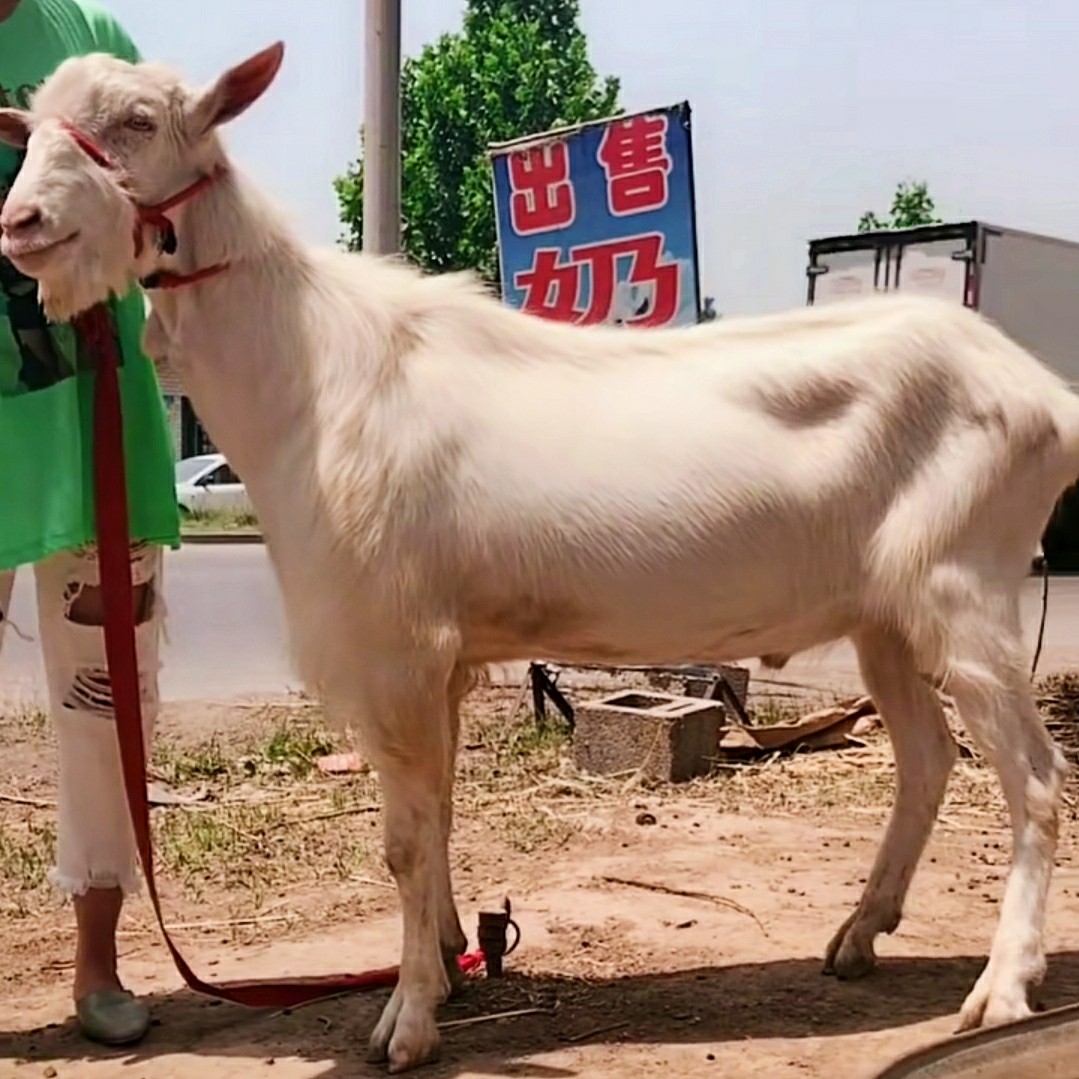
(518, 67)
(911, 206)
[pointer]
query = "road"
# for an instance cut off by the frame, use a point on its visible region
(225, 629)
(226, 634)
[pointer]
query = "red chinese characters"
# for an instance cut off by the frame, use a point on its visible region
(550, 286)
(553, 287)
(634, 157)
(541, 198)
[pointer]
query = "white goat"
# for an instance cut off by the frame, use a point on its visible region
(444, 483)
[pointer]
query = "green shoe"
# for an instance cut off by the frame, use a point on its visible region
(112, 1017)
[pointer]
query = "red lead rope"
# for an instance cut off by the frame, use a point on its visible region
(110, 488)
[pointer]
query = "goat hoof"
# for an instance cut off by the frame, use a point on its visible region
(378, 1049)
(404, 1062)
(847, 957)
(987, 1006)
(378, 1052)
(849, 966)
(828, 966)
(415, 1039)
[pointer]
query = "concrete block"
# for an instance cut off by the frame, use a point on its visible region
(669, 738)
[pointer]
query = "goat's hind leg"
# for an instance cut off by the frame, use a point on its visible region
(924, 755)
(992, 692)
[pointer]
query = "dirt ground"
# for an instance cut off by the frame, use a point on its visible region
(276, 870)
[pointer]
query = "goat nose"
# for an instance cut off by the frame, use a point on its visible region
(20, 219)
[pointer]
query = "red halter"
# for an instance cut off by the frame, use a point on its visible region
(156, 216)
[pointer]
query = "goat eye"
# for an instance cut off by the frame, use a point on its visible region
(140, 123)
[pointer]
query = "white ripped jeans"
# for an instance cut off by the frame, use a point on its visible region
(95, 842)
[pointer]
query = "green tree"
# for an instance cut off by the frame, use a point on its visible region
(516, 68)
(912, 205)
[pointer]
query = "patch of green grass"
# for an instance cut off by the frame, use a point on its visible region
(219, 521)
(531, 741)
(290, 749)
(206, 762)
(293, 748)
(213, 843)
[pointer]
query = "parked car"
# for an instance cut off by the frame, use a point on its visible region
(207, 484)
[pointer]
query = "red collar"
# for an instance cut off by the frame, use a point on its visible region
(166, 280)
(156, 215)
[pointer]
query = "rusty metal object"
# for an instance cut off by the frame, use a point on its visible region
(491, 934)
(1045, 1046)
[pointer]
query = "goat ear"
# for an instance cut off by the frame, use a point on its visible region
(15, 128)
(235, 91)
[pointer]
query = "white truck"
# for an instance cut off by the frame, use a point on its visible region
(1027, 284)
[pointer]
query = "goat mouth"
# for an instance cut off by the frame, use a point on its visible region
(30, 252)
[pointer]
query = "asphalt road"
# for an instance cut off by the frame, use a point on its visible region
(225, 629)
(226, 634)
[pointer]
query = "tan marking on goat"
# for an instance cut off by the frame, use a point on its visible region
(811, 402)
(528, 618)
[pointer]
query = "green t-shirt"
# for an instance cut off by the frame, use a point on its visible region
(46, 379)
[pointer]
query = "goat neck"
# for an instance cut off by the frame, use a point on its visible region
(225, 335)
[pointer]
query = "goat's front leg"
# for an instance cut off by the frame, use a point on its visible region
(406, 1033)
(452, 938)
(414, 761)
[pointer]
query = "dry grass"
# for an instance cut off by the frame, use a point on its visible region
(26, 855)
(1058, 701)
(269, 823)
(268, 820)
(23, 722)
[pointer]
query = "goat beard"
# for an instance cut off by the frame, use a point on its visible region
(90, 279)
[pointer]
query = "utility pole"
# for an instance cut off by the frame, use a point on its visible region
(382, 128)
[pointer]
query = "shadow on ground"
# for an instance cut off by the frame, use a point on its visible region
(707, 1005)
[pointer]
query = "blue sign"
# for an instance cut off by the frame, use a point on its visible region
(596, 224)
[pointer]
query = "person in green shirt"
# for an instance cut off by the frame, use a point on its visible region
(47, 519)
